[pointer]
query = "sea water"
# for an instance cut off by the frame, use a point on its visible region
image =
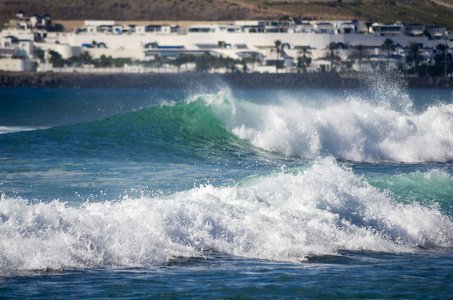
(223, 193)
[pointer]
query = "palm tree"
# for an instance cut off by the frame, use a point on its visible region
(204, 62)
(244, 61)
(278, 49)
(105, 61)
(185, 59)
(414, 55)
(218, 62)
(120, 62)
(360, 53)
(157, 62)
(304, 59)
(443, 57)
(55, 59)
(74, 60)
(230, 64)
(332, 55)
(440, 56)
(388, 46)
(86, 57)
(254, 59)
(179, 61)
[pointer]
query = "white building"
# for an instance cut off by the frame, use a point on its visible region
(10, 46)
(106, 37)
(415, 29)
(437, 32)
(17, 65)
(388, 30)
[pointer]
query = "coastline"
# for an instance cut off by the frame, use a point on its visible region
(207, 80)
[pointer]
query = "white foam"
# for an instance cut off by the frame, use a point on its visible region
(353, 129)
(286, 216)
(10, 129)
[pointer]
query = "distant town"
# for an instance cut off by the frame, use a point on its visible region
(35, 43)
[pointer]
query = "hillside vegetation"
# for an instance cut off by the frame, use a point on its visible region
(428, 12)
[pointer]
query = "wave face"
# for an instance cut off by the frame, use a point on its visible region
(320, 209)
(187, 129)
(220, 125)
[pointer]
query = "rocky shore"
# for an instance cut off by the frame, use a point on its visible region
(188, 80)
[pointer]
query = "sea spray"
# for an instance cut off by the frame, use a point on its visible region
(355, 128)
(388, 89)
(285, 216)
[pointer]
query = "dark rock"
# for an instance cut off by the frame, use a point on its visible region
(199, 80)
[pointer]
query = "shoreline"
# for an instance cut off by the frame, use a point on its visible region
(206, 80)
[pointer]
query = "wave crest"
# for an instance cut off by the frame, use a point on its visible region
(353, 129)
(285, 216)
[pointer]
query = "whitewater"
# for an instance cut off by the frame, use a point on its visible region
(226, 193)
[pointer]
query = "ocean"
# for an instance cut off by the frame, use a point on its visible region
(223, 193)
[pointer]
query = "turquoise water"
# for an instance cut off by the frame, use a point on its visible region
(123, 193)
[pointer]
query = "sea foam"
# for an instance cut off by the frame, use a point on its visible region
(10, 129)
(289, 215)
(379, 129)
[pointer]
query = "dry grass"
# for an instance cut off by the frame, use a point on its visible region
(432, 12)
(137, 10)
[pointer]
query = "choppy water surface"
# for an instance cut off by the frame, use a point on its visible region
(226, 193)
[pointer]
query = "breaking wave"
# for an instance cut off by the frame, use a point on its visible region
(289, 215)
